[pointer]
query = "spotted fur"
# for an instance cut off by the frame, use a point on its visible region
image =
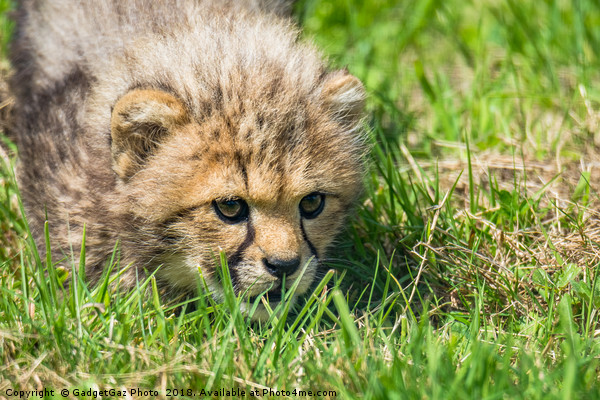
(139, 119)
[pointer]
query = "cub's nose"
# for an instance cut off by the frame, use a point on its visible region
(278, 267)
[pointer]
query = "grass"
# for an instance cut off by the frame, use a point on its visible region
(471, 270)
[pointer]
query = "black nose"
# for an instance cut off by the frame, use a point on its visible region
(278, 267)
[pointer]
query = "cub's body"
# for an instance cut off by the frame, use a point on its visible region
(182, 129)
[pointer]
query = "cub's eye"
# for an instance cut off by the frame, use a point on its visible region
(312, 205)
(232, 210)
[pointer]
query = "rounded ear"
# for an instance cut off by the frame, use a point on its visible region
(140, 120)
(345, 96)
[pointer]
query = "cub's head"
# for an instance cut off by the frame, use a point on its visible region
(264, 173)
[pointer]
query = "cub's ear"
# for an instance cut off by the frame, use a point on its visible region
(140, 120)
(345, 96)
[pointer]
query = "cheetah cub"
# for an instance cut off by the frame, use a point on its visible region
(183, 130)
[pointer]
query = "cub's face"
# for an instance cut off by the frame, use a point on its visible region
(267, 186)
